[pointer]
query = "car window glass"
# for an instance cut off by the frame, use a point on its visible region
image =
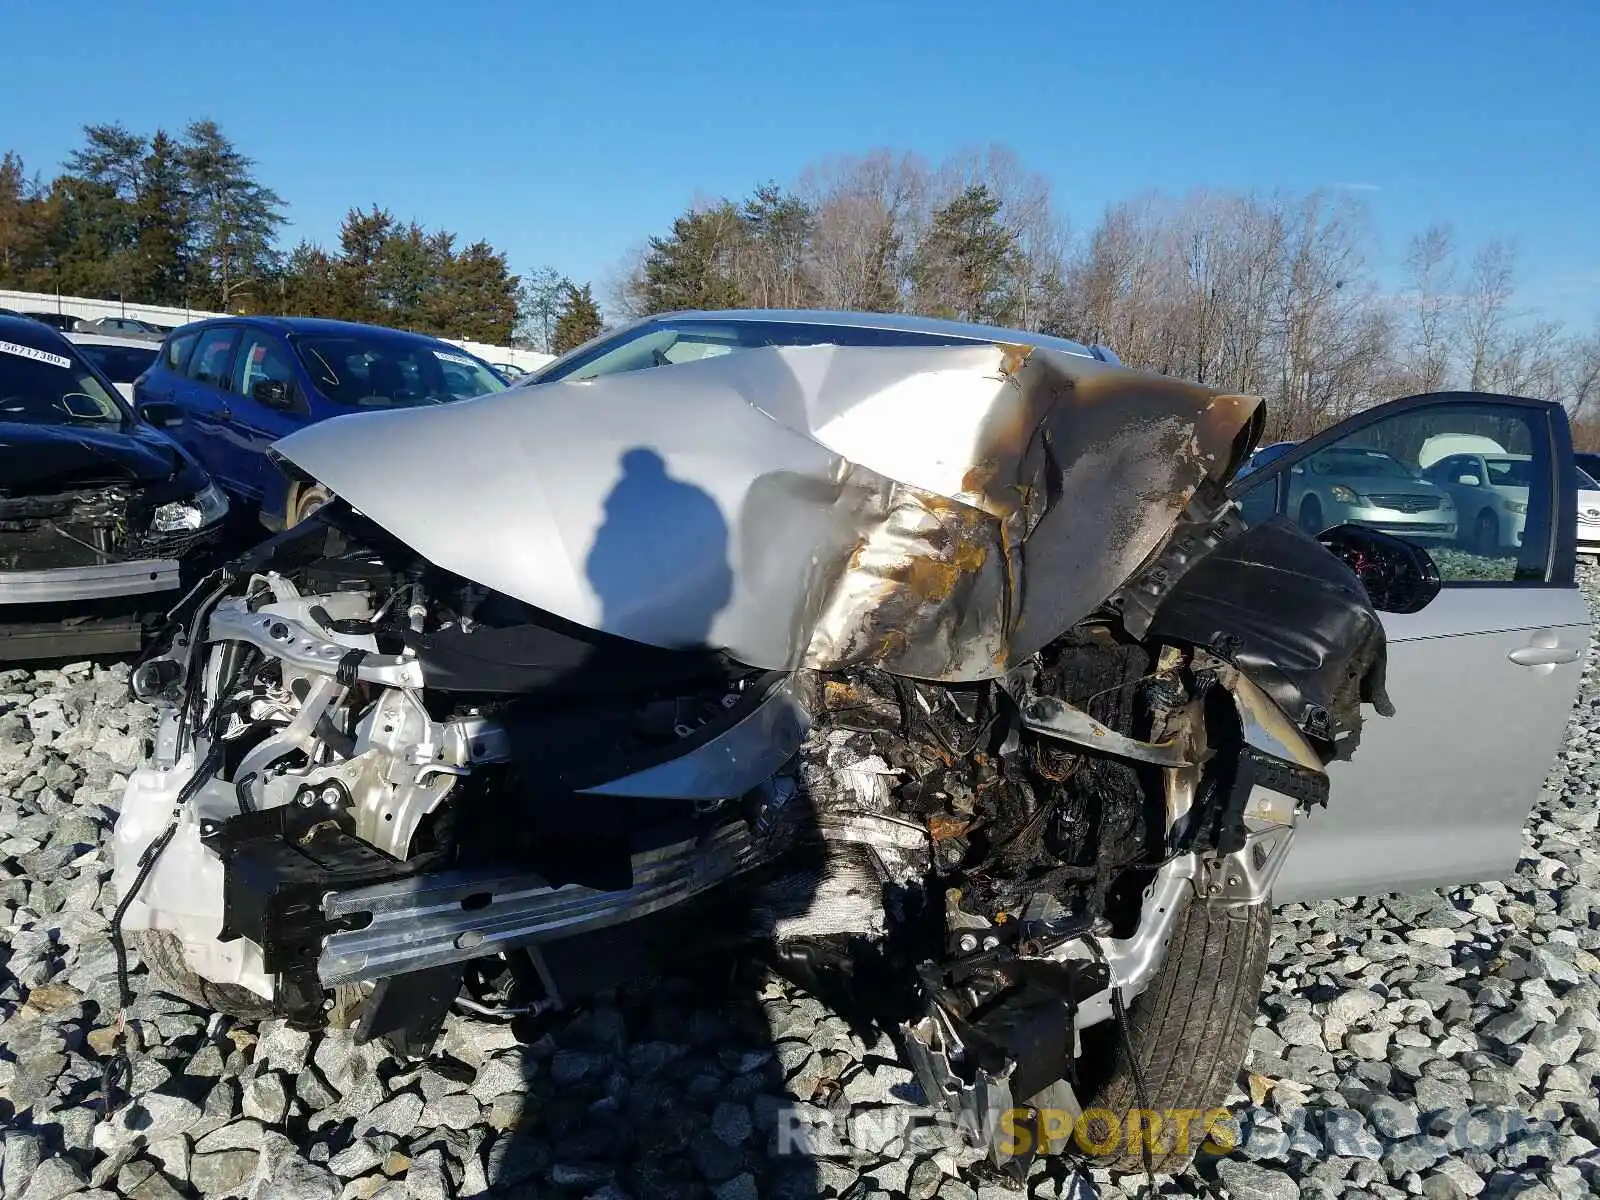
(120, 364)
(261, 358)
(177, 351)
(667, 343)
(210, 362)
(44, 387)
(1470, 484)
(390, 371)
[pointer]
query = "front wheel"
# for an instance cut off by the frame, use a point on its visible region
(305, 501)
(1189, 1032)
(1311, 515)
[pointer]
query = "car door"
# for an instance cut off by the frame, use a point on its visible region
(204, 395)
(265, 404)
(1483, 679)
(156, 395)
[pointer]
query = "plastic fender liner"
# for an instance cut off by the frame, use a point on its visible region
(1293, 618)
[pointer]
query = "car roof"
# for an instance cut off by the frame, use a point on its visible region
(899, 322)
(111, 339)
(306, 325)
(36, 335)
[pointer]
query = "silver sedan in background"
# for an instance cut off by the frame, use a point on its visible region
(1351, 484)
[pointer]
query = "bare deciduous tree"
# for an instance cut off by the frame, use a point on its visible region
(864, 209)
(1268, 294)
(1486, 312)
(1431, 307)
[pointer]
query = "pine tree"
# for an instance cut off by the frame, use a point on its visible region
(577, 321)
(161, 221)
(355, 274)
(233, 218)
(696, 265)
(778, 227)
(478, 297)
(97, 235)
(113, 156)
(408, 274)
(966, 265)
(310, 286)
(19, 232)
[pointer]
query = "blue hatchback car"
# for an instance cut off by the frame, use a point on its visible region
(227, 388)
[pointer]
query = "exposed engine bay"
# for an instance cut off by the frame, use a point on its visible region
(376, 772)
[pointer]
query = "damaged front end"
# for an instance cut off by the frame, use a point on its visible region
(98, 535)
(954, 719)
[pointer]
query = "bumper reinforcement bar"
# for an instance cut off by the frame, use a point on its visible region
(451, 917)
(102, 582)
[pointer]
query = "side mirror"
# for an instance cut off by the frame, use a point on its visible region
(1399, 577)
(1469, 481)
(161, 414)
(274, 393)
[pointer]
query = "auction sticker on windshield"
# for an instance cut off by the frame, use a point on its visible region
(459, 359)
(44, 356)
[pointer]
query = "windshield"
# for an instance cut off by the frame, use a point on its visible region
(1509, 472)
(43, 387)
(120, 364)
(1364, 464)
(664, 343)
(375, 371)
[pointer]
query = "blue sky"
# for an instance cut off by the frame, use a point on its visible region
(565, 132)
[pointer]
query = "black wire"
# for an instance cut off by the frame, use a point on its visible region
(147, 864)
(119, 1063)
(1138, 1083)
(118, 1066)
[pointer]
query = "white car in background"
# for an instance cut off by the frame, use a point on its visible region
(1490, 488)
(120, 359)
(1588, 513)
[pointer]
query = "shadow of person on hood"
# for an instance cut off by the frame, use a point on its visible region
(659, 563)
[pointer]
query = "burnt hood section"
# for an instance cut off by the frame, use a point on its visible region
(38, 459)
(940, 512)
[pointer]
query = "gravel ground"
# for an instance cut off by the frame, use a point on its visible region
(1446, 1045)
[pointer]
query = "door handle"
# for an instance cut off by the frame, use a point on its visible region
(1544, 650)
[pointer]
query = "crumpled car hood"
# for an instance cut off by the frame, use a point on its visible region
(37, 458)
(940, 512)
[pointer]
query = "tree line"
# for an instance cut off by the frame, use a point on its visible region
(1273, 294)
(1270, 293)
(183, 220)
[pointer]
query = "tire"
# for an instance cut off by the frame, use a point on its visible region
(1486, 534)
(1190, 1030)
(305, 501)
(161, 951)
(1311, 515)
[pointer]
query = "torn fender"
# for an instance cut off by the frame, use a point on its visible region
(939, 512)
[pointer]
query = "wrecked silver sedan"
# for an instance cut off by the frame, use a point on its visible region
(951, 677)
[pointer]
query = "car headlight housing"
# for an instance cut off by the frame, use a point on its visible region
(1343, 494)
(1519, 507)
(205, 507)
